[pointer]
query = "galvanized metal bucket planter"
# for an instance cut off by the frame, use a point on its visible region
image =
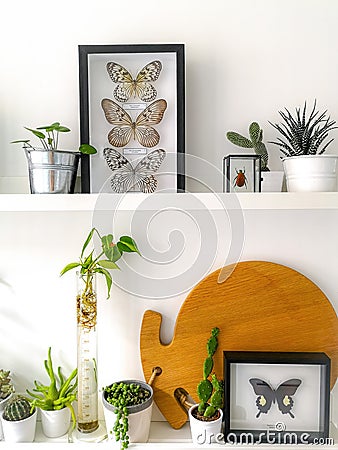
(52, 171)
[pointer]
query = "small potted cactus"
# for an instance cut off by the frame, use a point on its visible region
(19, 420)
(271, 180)
(6, 391)
(127, 407)
(206, 417)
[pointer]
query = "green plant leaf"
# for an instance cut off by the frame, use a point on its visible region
(51, 127)
(254, 132)
(127, 244)
(36, 133)
(217, 399)
(69, 266)
(25, 141)
(87, 149)
(90, 235)
(239, 140)
(108, 264)
(204, 390)
(210, 411)
(108, 277)
(207, 366)
(62, 129)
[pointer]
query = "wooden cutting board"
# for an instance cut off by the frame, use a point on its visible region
(260, 306)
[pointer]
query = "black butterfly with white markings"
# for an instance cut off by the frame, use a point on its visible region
(282, 395)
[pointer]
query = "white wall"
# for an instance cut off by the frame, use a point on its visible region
(245, 60)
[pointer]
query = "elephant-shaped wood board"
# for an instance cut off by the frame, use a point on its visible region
(260, 306)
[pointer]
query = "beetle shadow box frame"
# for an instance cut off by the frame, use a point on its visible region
(242, 173)
(276, 398)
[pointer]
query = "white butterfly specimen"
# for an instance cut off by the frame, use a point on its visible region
(126, 178)
(139, 87)
(141, 129)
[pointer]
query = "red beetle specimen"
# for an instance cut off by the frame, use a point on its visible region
(240, 179)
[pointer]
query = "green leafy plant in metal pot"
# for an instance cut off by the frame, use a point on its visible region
(121, 396)
(6, 386)
(255, 142)
(302, 135)
(59, 394)
(90, 264)
(210, 389)
(49, 138)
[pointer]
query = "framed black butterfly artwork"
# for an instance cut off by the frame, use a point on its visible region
(276, 397)
(132, 100)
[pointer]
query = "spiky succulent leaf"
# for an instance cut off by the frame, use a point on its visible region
(202, 407)
(212, 345)
(204, 390)
(239, 140)
(255, 133)
(207, 366)
(210, 411)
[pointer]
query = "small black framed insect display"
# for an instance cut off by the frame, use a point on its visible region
(132, 109)
(279, 398)
(241, 173)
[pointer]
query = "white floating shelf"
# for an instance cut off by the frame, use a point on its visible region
(188, 201)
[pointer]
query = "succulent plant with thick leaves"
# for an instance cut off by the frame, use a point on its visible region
(210, 389)
(302, 135)
(6, 386)
(18, 408)
(255, 142)
(59, 394)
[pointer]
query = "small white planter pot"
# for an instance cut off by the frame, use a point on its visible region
(3, 403)
(205, 432)
(55, 423)
(19, 430)
(272, 181)
(139, 417)
(311, 173)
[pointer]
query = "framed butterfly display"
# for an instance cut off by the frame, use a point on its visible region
(132, 109)
(276, 398)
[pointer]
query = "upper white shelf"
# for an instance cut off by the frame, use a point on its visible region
(188, 201)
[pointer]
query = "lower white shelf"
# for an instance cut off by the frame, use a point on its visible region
(163, 437)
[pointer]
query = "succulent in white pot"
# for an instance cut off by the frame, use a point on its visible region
(19, 420)
(55, 400)
(206, 418)
(6, 392)
(303, 142)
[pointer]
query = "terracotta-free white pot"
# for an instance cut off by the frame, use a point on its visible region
(205, 432)
(139, 417)
(3, 403)
(19, 430)
(55, 423)
(272, 181)
(311, 173)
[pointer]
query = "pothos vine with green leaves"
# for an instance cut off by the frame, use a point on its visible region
(91, 264)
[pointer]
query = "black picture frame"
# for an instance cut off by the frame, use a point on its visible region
(242, 173)
(251, 415)
(150, 51)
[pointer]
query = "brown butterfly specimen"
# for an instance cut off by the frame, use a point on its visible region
(139, 87)
(126, 177)
(141, 130)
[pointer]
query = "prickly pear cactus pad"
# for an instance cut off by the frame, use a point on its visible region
(260, 306)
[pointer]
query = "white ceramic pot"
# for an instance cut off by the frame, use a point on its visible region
(3, 403)
(205, 432)
(139, 417)
(311, 173)
(55, 423)
(19, 430)
(272, 181)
